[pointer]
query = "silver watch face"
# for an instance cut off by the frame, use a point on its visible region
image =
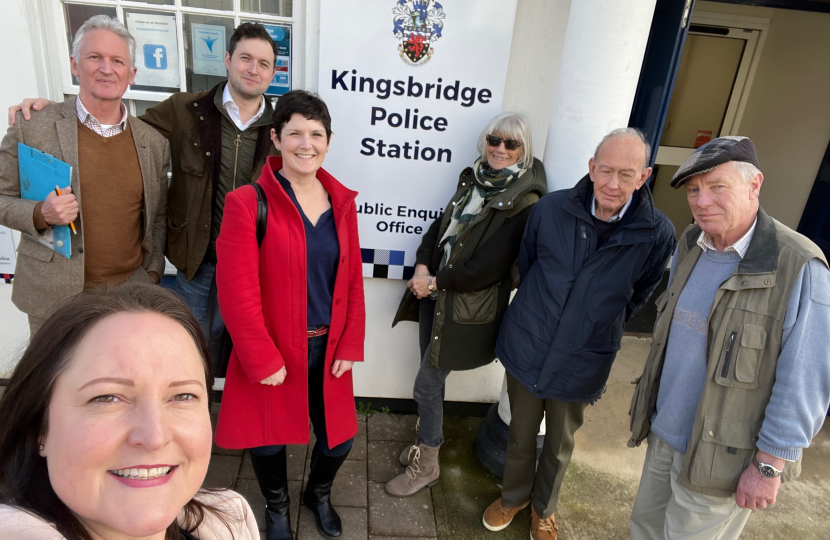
(767, 470)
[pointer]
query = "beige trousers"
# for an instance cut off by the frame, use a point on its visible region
(664, 510)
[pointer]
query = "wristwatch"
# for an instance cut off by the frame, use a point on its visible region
(430, 286)
(766, 470)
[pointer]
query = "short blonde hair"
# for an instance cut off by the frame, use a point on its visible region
(510, 125)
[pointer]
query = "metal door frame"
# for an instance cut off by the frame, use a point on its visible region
(737, 27)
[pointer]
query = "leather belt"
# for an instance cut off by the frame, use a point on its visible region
(319, 331)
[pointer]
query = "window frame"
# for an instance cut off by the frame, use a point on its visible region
(58, 49)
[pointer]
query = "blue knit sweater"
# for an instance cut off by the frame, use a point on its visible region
(801, 394)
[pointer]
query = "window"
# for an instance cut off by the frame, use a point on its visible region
(180, 43)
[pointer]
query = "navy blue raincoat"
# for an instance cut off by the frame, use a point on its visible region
(563, 329)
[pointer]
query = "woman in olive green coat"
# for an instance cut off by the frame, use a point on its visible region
(464, 274)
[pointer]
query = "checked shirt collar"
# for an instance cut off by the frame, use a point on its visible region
(92, 123)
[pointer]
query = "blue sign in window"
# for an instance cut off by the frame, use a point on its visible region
(155, 56)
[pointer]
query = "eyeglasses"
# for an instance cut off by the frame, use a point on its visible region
(509, 144)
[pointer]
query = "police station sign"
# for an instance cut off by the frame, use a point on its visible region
(410, 85)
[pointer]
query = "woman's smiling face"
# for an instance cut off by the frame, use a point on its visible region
(499, 157)
(129, 437)
(303, 145)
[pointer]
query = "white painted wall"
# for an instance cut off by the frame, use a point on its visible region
(20, 80)
(601, 59)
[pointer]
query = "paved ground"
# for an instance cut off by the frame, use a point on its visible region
(596, 498)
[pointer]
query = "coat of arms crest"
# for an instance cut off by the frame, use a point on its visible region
(417, 24)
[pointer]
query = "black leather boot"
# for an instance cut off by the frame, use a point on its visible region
(317, 496)
(272, 476)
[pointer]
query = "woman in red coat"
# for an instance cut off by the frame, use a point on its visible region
(294, 308)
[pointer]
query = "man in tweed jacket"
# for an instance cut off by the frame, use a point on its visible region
(119, 165)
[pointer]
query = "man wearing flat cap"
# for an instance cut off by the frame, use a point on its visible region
(738, 379)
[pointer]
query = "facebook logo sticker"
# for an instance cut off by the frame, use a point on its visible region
(155, 56)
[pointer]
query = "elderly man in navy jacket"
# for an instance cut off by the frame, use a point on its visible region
(590, 258)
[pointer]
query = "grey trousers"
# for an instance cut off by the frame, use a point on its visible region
(665, 510)
(429, 394)
(521, 476)
(429, 387)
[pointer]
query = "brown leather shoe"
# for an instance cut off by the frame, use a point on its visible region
(543, 528)
(498, 517)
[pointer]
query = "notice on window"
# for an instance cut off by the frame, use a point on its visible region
(208, 49)
(7, 256)
(281, 83)
(156, 51)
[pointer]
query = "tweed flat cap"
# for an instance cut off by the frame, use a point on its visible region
(714, 153)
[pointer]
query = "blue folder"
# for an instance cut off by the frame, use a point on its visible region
(39, 174)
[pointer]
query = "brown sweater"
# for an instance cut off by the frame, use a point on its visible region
(112, 195)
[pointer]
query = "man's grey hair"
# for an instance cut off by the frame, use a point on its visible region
(628, 132)
(510, 125)
(748, 171)
(102, 22)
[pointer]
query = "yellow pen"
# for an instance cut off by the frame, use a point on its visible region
(72, 225)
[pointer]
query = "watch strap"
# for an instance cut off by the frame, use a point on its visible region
(758, 465)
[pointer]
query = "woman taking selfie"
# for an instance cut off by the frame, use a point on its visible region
(291, 296)
(106, 427)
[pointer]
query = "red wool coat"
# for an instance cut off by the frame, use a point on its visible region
(262, 296)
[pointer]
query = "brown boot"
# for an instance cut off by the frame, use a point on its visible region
(498, 517)
(422, 472)
(543, 528)
(406, 454)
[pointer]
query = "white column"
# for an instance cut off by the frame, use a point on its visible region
(601, 59)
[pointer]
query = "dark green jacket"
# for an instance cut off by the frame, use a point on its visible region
(192, 122)
(467, 320)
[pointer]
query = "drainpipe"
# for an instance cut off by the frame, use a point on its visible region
(605, 42)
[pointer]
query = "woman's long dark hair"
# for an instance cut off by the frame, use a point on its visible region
(24, 479)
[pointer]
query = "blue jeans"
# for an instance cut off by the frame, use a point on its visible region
(195, 292)
(316, 407)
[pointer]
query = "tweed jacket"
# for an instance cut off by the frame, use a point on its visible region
(44, 281)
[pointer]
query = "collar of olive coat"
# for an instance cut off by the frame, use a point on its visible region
(192, 122)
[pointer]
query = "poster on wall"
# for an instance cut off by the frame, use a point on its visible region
(156, 49)
(281, 83)
(409, 85)
(208, 46)
(7, 255)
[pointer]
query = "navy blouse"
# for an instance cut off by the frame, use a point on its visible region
(322, 254)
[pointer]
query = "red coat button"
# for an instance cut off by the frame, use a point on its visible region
(343, 259)
(333, 341)
(336, 302)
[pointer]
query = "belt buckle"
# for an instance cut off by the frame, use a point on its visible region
(319, 331)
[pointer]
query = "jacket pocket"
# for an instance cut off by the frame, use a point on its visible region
(192, 159)
(740, 356)
(724, 452)
(177, 241)
(477, 307)
(753, 340)
(34, 249)
(520, 342)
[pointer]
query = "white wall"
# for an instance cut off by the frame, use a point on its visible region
(787, 113)
(20, 80)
